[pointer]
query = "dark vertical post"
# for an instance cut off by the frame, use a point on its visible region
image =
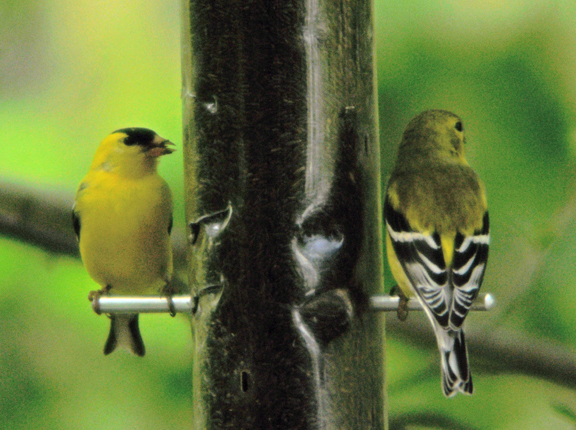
(282, 182)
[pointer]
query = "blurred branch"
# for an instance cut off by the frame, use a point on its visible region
(43, 218)
(426, 420)
(505, 351)
(565, 411)
(40, 218)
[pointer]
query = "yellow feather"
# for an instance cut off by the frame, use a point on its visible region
(124, 240)
(447, 241)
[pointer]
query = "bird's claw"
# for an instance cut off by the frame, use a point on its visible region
(94, 297)
(171, 306)
(168, 291)
(402, 308)
(402, 312)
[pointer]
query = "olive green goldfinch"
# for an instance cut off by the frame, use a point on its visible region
(438, 233)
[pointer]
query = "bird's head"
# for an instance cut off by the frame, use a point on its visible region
(436, 130)
(131, 152)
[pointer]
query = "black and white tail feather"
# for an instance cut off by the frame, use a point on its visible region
(445, 292)
(124, 332)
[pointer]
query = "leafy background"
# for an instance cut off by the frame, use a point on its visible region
(72, 71)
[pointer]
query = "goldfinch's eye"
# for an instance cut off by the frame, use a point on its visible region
(459, 126)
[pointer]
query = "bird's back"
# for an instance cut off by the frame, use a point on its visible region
(451, 193)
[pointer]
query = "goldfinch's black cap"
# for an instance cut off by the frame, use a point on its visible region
(137, 136)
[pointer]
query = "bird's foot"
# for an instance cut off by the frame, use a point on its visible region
(402, 312)
(168, 292)
(94, 297)
(171, 306)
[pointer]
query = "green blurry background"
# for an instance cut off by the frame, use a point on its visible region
(72, 71)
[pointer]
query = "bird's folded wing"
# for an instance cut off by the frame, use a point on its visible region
(447, 292)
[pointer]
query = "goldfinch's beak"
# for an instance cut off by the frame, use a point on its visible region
(160, 147)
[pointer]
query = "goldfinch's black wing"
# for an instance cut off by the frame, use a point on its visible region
(422, 259)
(75, 214)
(467, 271)
(76, 223)
(448, 292)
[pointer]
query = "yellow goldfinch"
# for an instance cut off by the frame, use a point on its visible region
(122, 217)
(438, 233)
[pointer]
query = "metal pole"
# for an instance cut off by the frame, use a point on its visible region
(283, 199)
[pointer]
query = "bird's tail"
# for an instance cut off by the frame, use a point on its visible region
(456, 375)
(124, 332)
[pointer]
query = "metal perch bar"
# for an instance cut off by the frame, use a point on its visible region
(187, 303)
(386, 303)
(141, 304)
